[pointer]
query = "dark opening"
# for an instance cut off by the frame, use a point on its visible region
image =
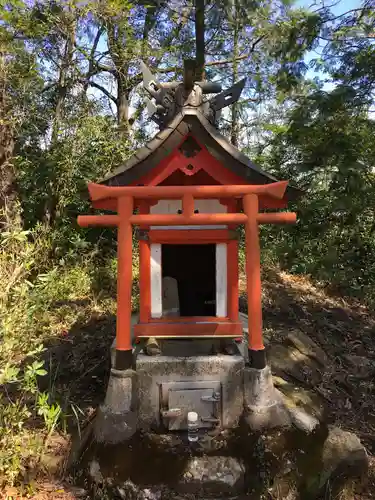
(194, 268)
(190, 148)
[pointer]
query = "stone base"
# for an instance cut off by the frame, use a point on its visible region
(213, 475)
(162, 377)
(244, 390)
(263, 404)
(116, 420)
(281, 462)
(114, 428)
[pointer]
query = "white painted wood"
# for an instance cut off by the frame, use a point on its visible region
(221, 279)
(204, 207)
(156, 281)
(209, 207)
(166, 207)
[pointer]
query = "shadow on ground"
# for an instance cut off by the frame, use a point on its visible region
(79, 364)
(343, 329)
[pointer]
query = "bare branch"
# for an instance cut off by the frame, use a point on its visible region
(48, 87)
(96, 65)
(104, 90)
(348, 12)
(92, 64)
(95, 44)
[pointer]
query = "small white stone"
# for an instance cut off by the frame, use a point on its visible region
(95, 472)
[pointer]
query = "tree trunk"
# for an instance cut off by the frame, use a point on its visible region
(235, 110)
(8, 195)
(63, 85)
(117, 43)
(122, 105)
(199, 39)
(63, 81)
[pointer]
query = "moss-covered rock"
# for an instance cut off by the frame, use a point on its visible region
(288, 361)
(341, 457)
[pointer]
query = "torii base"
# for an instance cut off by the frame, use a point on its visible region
(264, 407)
(116, 419)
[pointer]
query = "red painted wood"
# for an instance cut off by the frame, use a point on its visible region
(149, 178)
(230, 203)
(182, 220)
(277, 218)
(98, 220)
(191, 319)
(106, 204)
(222, 175)
(201, 178)
(194, 220)
(144, 272)
(232, 280)
(269, 202)
(254, 289)
(189, 236)
(173, 165)
(216, 169)
(206, 170)
(204, 179)
(169, 329)
(232, 267)
(226, 177)
(99, 192)
(124, 275)
(188, 205)
(144, 280)
(144, 206)
(190, 169)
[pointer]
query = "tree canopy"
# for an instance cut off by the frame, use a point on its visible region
(72, 108)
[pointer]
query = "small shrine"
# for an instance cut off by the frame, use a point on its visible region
(186, 191)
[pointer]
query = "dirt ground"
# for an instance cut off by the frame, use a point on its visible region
(344, 329)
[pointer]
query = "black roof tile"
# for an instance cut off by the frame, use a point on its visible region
(191, 120)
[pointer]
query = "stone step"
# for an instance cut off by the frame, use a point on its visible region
(212, 475)
(130, 492)
(204, 478)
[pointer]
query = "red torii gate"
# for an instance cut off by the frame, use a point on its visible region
(128, 197)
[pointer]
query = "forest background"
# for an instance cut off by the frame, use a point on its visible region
(72, 109)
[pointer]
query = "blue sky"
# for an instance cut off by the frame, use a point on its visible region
(338, 9)
(342, 7)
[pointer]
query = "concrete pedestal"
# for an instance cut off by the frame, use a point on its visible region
(263, 404)
(209, 384)
(116, 419)
(188, 376)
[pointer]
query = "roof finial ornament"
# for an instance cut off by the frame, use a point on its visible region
(172, 97)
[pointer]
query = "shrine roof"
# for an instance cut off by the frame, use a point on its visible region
(190, 121)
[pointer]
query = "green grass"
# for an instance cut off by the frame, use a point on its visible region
(57, 320)
(41, 301)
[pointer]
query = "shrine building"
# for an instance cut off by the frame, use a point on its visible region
(186, 192)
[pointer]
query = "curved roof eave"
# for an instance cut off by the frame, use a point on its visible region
(190, 120)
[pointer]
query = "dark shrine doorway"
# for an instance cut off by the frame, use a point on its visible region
(194, 268)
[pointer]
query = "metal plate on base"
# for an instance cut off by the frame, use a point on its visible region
(201, 397)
